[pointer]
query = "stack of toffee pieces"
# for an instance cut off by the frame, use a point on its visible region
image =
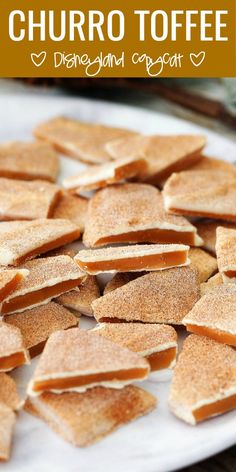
(157, 216)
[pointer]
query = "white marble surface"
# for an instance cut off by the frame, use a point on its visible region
(158, 442)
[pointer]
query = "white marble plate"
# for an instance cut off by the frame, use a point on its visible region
(158, 442)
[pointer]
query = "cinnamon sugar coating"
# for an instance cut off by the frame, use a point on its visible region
(120, 279)
(45, 272)
(11, 342)
(211, 283)
(205, 193)
(216, 310)
(139, 337)
(82, 141)
(22, 240)
(7, 423)
(163, 154)
(28, 161)
(73, 209)
(158, 297)
(131, 146)
(8, 392)
(203, 262)
(37, 324)
(85, 418)
(226, 249)
(127, 208)
(20, 200)
(78, 352)
(205, 372)
(211, 163)
(207, 231)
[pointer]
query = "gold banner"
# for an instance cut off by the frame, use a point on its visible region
(137, 38)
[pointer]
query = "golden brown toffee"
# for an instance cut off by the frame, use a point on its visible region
(230, 273)
(12, 361)
(24, 176)
(62, 241)
(216, 334)
(205, 214)
(10, 287)
(162, 359)
(33, 298)
(215, 408)
(84, 380)
(54, 204)
(50, 212)
(155, 235)
(153, 261)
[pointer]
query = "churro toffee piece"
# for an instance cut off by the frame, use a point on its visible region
(20, 200)
(158, 297)
(133, 258)
(76, 360)
(23, 240)
(7, 423)
(80, 299)
(211, 283)
(157, 343)
(72, 208)
(133, 213)
(204, 380)
(28, 161)
(201, 193)
(8, 392)
(214, 315)
(37, 324)
(85, 418)
(9, 281)
(82, 141)
(204, 263)
(212, 163)
(163, 154)
(48, 278)
(96, 177)
(226, 253)
(120, 279)
(12, 350)
(130, 146)
(207, 231)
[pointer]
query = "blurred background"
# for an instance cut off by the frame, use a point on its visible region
(207, 102)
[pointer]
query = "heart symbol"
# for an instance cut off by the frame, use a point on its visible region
(197, 59)
(38, 59)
